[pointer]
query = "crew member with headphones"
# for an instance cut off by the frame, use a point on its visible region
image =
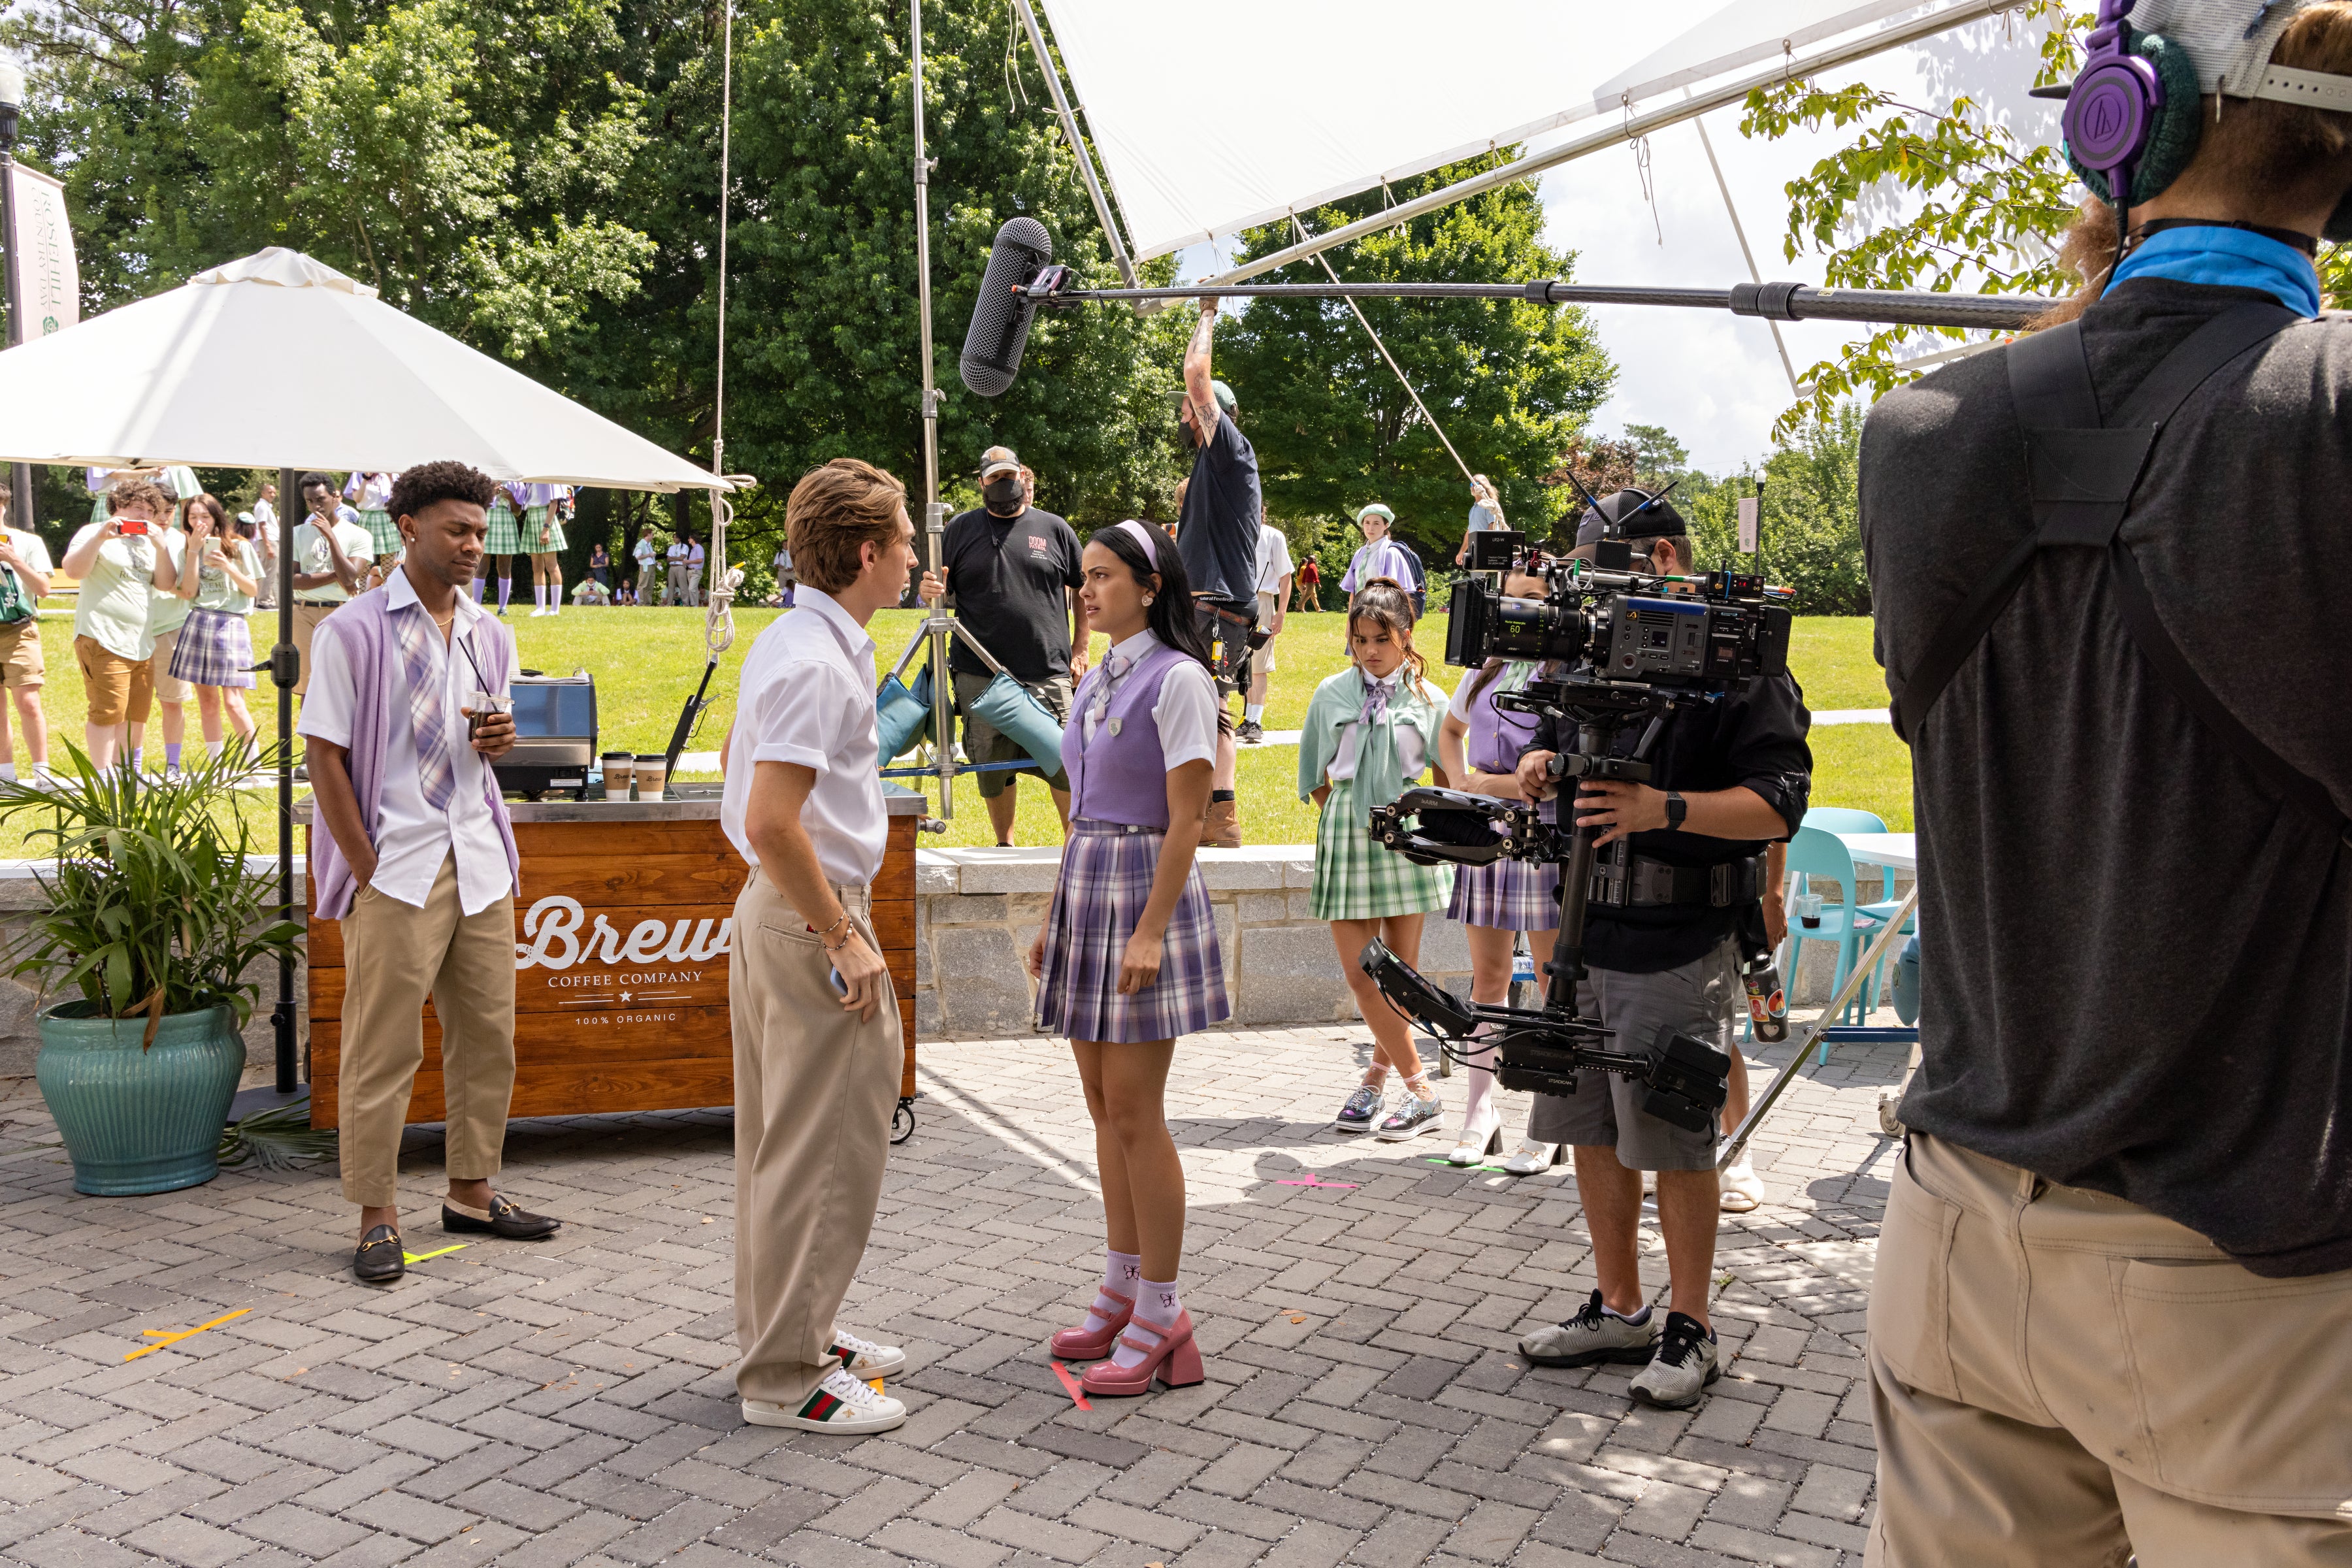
(2115, 1281)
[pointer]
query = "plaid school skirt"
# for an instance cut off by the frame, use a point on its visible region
(1356, 880)
(384, 531)
(216, 649)
(1509, 895)
(1105, 882)
(504, 538)
(531, 522)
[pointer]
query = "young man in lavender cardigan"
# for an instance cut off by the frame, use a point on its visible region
(418, 860)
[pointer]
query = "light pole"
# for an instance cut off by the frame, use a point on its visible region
(12, 102)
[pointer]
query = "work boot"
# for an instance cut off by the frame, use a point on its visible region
(1224, 828)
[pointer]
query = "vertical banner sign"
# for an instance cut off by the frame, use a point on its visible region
(48, 281)
(1749, 507)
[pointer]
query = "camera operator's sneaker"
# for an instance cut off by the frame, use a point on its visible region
(841, 1403)
(1250, 734)
(1592, 1337)
(1363, 1109)
(1686, 1363)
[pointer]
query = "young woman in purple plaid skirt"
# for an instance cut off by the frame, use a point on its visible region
(1479, 744)
(1127, 958)
(218, 574)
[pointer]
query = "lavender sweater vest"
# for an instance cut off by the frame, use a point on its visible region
(1121, 778)
(371, 646)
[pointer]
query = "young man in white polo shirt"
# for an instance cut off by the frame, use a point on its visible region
(817, 1045)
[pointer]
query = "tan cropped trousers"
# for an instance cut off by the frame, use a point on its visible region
(396, 955)
(814, 1086)
(2060, 1379)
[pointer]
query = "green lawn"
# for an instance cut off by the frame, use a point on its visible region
(646, 662)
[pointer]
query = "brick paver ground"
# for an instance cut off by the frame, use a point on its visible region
(571, 1402)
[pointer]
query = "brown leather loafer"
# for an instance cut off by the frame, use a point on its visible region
(505, 1220)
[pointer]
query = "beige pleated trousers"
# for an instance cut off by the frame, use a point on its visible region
(394, 956)
(814, 1086)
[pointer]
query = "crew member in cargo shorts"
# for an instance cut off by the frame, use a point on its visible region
(1677, 895)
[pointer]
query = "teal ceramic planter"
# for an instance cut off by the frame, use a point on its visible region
(140, 1120)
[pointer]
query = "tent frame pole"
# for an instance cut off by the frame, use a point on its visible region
(282, 675)
(937, 624)
(1078, 144)
(1632, 129)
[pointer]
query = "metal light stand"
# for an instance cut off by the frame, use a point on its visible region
(283, 671)
(20, 475)
(937, 622)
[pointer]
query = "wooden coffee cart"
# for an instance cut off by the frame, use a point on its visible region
(622, 931)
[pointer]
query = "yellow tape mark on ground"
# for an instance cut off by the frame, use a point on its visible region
(407, 1256)
(169, 1337)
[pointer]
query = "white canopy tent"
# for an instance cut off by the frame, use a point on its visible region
(278, 361)
(1250, 110)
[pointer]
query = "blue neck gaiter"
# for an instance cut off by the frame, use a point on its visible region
(2228, 258)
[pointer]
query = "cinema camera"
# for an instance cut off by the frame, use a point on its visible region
(1624, 648)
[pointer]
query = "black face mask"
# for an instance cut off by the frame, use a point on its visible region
(1005, 497)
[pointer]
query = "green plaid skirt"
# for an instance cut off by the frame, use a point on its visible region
(384, 531)
(504, 538)
(531, 520)
(1356, 880)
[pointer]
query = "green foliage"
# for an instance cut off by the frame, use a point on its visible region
(1658, 458)
(1511, 383)
(151, 907)
(281, 1139)
(1809, 535)
(1989, 208)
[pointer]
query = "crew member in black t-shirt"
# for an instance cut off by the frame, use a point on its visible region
(1014, 574)
(1664, 936)
(1217, 537)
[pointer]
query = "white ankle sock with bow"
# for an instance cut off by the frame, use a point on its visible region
(1156, 1311)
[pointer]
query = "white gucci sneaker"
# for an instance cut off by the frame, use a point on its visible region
(840, 1404)
(863, 1358)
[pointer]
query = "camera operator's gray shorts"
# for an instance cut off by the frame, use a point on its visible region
(1700, 998)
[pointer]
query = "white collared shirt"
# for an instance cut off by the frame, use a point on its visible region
(1186, 713)
(1407, 739)
(1273, 558)
(806, 697)
(412, 839)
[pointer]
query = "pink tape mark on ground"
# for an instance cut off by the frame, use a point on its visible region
(1077, 1393)
(1312, 1180)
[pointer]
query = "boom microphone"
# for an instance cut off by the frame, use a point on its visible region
(1000, 320)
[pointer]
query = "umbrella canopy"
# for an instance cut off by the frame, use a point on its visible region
(277, 361)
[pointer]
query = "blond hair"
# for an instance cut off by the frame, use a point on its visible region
(833, 512)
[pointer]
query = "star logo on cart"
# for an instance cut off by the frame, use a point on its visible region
(624, 995)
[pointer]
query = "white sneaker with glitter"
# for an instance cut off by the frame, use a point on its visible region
(840, 1404)
(863, 1358)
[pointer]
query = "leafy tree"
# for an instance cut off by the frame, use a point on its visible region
(1808, 532)
(1658, 458)
(1511, 383)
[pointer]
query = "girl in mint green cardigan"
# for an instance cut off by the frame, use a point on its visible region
(1370, 730)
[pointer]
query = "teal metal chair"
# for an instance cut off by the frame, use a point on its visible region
(1816, 852)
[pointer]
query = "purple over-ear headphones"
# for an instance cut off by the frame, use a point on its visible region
(2115, 100)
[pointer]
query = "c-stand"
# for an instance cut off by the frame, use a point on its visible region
(1542, 1049)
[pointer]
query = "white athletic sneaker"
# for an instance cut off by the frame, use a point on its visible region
(840, 1404)
(1677, 1376)
(863, 1358)
(1592, 1337)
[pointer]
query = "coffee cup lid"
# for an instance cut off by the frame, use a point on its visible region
(623, 755)
(652, 756)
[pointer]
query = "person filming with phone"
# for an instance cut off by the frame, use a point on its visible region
(2113, 1284)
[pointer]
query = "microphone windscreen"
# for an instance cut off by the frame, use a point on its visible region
(1000, 323)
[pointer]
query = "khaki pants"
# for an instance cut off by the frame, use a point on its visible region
(307, 617)
(675, 592)
(2059, 1377)
(814, 1085)
(395, 955)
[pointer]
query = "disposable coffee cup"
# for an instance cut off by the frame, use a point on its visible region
(478, 704)
(652, 774)
(619, 767)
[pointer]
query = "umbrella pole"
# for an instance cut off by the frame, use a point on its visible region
(282, 675)
(936, 624)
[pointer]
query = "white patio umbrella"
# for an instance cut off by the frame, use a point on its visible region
(278, 362)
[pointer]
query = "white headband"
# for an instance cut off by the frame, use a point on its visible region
(1151, 545)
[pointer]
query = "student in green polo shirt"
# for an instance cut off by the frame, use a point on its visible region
(120, 567)
(23, 578)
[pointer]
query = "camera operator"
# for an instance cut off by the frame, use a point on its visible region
(1218, 510)
(2114, 1280)
(1677, 898)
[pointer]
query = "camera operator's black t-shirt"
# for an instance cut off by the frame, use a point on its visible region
(1217, 532)
(1753, 737)
(2138, 962)
(1009, 576)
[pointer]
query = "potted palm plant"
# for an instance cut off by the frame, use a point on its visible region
(162, 935)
